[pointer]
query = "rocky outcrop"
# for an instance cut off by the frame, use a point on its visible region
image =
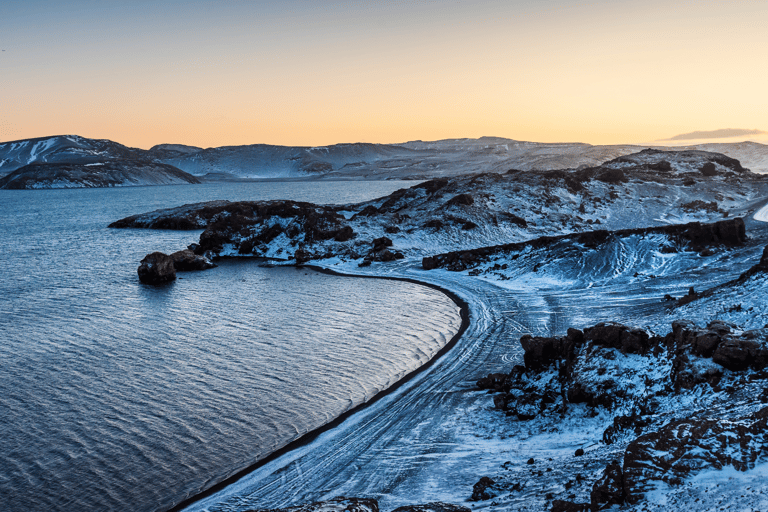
(157, 268)
(678, 451)
(593, 367)
(695, 236)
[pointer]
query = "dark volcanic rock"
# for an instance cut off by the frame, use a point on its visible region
(461, 199)
(381, 243)
(750, 350)
(684, 447)
(188, 260)
(482, 490)
(569, 506)
(609, 489)
(437, 506)
(621, 337)
(157, 268)
(338, 504)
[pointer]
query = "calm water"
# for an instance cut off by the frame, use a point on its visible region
(119, 396)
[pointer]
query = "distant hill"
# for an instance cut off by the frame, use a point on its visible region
(115, 173)
(70, 161)
(409, 160)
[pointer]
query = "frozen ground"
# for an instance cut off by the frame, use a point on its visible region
(433, 438)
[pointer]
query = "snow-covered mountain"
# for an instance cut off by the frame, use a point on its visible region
(70, 161)
(71, 149)
(409, 160)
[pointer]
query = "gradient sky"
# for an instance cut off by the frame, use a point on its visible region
(313, 73)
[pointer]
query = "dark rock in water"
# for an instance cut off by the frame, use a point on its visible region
(579, 452)
(188, 260)
(437, 506)
(338, 504)
(482, 490)
(609, 489)
(157, 268)
(531, 461)
(569, 506)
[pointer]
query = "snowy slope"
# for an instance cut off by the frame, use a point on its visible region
(63, 149)
(415, 159)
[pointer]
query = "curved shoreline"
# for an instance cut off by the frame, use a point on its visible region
(310, 436)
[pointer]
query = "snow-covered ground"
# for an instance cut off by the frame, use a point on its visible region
(433, 438)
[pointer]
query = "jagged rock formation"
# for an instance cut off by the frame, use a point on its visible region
(629, 372)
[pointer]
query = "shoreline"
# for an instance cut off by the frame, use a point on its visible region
(310, 436)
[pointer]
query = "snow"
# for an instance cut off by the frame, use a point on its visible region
(434, 437)
(762, 214)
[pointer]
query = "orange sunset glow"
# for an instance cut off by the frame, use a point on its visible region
(305, 73)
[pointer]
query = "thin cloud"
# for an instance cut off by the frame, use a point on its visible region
(716, 134)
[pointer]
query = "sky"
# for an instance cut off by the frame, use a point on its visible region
(310, 73)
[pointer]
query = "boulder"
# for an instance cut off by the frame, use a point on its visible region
(437, 506)
(750, 350)
(382, 243)
(344, 234)
(188, 260)
(618, 336)
(157, 268)
(482, 490)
